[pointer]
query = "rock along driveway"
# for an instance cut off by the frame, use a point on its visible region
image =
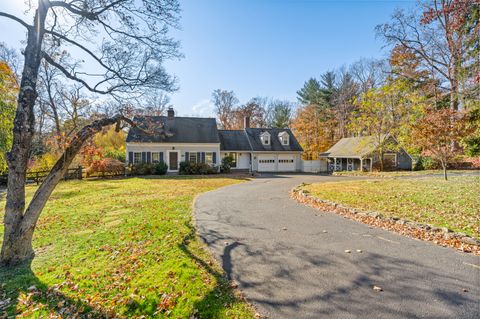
(289, 260)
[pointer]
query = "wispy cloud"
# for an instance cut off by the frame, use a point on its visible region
(204, 108)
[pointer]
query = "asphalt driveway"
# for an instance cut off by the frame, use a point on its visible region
(289, 260)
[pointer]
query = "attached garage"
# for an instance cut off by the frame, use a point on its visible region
(266, 163)
(286, 163)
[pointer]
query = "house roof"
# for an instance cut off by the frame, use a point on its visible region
(253, 135)
(352, 147)
(234, 140)
(204, 130)
(181, 129)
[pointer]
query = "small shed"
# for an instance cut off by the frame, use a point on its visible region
(360, 153)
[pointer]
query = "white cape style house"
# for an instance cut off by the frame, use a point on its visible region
(198, 140)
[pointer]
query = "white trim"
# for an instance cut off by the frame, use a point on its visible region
(276, 152)
(178, 159)
(282, 135)
(133, 159)
(262, 138)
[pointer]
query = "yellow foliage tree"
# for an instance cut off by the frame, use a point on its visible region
(314, 130)
(111, 143)
(8, 94)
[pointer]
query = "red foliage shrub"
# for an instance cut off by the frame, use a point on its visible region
(105, 166)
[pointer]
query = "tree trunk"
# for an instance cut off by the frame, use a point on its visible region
(17, 158)
(19, 225)
(17, 245)
(444, 166)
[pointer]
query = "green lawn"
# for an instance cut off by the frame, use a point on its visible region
(124, 248)
(404, 173)
(454, 203)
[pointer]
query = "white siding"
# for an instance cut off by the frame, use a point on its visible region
(182, 148)
(314, 166)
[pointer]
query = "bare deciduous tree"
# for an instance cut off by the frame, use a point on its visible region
(434, 32)
(129, 58)
(225, 103)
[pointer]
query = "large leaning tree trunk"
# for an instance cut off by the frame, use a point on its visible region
(20, 223)
(131, 53)
(23, 131)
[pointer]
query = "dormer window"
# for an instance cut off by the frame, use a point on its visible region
(284, 138)
(265, 138)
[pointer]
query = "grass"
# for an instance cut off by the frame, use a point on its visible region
(454, 203)
(403, 173)
(124, 248)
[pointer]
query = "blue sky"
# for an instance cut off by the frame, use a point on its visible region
(259, 47)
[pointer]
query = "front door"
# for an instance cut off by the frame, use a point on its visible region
(173, 161)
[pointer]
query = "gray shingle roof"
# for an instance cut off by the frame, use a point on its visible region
(352, 147)
(253, 135)
(183, 130)
(233, 140)
(204, 130)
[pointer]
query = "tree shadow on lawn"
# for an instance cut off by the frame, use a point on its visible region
(223, 295)
(21, 291)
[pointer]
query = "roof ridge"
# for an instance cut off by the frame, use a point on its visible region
(248, 139)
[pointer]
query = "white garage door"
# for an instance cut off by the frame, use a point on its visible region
(286, 163)
(266, 163)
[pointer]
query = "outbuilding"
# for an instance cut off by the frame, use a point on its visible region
(361, 153)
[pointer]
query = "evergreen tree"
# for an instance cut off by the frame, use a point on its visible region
(311, 93)
(281, 114)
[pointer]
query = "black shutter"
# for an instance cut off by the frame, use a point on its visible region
(214, 158)
(161, 157)
(203, 157)
(186, 157)
(149, 157)
(144, 157)
(199, 160)
(130, 157)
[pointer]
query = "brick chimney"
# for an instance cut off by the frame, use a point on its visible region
(246, 122)
(170, 112)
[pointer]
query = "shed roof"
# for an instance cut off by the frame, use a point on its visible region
(352, 147)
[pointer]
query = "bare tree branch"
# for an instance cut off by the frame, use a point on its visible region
(14, 18)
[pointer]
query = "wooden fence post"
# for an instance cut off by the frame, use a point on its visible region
(79, 172)
(37, 178)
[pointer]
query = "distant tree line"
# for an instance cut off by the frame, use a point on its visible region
(431, 79)
(263, 112)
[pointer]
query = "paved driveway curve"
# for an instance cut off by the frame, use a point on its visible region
(289, 259)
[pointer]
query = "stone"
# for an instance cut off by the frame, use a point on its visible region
(470, 241)
(348, 251)
(401, 222)
(359, 250)
(446, 230)
(448, 236)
